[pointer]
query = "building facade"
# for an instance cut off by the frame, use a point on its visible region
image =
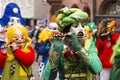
(96, 9)
(31, 10)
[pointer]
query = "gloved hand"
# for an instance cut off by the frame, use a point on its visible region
(74, 43)
(117, 60)
(58, 45)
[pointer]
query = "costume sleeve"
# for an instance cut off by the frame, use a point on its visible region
(114, 38)
(50, 71)
(90, 58)
(2, 60)
(25, 58)
(100, 45)
(95, 63)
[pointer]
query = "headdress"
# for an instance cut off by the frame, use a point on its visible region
(11, 10)
(68, 17)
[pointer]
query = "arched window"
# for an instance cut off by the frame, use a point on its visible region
(74, 6)
(86, 9)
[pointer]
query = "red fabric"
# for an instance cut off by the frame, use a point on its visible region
(2, 60)
(25, 58)
(105, 52)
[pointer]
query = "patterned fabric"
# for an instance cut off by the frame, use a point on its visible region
(12, 68)
(71, 64)
(40, 68)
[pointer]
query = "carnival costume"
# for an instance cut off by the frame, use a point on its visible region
(114, 75)
(91, 27)
(105, 42)
(17, 56)
(68, 55)
(44, 41)
(11, 16)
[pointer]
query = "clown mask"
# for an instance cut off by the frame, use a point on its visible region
(19, 37)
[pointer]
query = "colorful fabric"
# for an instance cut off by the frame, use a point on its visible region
(69, 62)
(115, 73)
(105, 50)
(26, 59)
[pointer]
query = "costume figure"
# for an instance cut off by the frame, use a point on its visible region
(11, 16)
(68, 55)
(17, 56)
(91, 27)
(44, 41)
(106, 40)
(114, 75)
(2, 40)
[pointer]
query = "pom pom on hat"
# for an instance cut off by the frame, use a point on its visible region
(15, 10)
(52, 26)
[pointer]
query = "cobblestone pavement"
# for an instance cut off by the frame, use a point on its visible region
(35, 69)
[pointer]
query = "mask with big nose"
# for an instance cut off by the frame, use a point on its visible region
(19, 38)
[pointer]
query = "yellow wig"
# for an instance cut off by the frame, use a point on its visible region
(11, 32)
(45, 34)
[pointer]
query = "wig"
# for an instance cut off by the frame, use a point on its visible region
(11, 33)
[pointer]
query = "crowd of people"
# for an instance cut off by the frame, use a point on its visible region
(72, 46)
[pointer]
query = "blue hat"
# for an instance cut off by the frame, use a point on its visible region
(11, 10)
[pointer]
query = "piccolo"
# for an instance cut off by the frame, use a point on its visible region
(60, 36)
(5, 46)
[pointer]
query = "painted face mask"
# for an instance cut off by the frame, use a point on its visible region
(19, 37)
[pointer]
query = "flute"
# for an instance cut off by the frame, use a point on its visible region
(5, 46)
(60, 36)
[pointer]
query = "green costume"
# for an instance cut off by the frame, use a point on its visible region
(80, 65)
(67, 56)
(115, 72)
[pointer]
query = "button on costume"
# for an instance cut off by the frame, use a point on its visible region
(73, 58)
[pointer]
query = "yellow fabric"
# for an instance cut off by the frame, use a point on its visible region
(22, 72)
(87, 44)
(10, 57)
(76, 75)
(89, 75)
